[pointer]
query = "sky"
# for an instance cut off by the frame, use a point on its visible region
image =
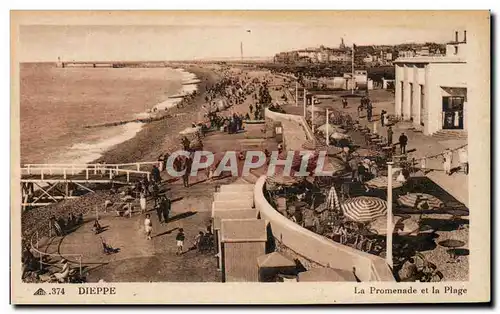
(186, 35)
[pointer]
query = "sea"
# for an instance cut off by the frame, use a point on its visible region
(57, 104)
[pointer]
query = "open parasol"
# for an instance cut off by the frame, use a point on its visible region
(420, 201)
(365, 152)
(400, 226)
(331, 128)
(279, 179)
(364, 208)
(339, 136)
(381, 183)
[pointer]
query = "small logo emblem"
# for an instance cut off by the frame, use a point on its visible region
(40, 292)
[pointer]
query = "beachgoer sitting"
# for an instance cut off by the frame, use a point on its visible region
(56, 226)
(96, 228)
(63, 275)
(108, 249)
(107, 203)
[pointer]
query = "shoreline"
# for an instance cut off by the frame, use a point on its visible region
(159, 136)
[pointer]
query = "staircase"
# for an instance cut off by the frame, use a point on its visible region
(444, 135)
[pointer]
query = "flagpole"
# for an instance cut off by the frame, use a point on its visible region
(352, 68)
(390, 229)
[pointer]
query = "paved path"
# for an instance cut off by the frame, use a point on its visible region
(421, 145)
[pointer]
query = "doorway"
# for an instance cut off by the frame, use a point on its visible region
(453, 112)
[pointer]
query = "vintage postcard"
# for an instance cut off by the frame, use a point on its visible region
(250, 157)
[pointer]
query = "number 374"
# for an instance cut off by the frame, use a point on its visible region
(57, 291)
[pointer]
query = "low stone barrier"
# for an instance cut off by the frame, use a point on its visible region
(318, 250)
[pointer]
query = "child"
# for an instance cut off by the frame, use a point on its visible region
(148, 226)
(180, 241)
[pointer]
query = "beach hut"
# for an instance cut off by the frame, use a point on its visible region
(219, 216)
(274, 264)
(243, 241)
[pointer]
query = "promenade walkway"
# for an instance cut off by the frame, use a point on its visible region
(419, 144)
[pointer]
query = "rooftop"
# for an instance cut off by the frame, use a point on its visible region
(233, 214)
(431, 59)
(243, 230)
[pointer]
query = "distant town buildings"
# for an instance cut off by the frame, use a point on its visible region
(431, 90)
(321, 54)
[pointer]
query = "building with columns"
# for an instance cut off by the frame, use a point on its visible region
(431, 92)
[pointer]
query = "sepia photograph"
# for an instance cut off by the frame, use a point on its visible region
(340, 153)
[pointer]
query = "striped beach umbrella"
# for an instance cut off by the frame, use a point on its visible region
(420, 201)
(364, 208)
(400, 226)
(381, 183)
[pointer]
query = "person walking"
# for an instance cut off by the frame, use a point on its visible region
(155, 174)
(148, 226)
(155, 191)
(344, 103)
(464, 160)
(159, 212)
(389, 136)
(403, 141)
(447, 161)
(166, 205)
(382, 117)
(142, 202)
(369, 111)
(180, 241)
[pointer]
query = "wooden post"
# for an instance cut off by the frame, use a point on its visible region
(87, 173)
(41, 173)
(128, 176)
(67, 188)
(29, 169)
(138, 165)
(64, 173)
(95, 169)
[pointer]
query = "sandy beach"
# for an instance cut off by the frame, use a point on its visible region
(158, 137)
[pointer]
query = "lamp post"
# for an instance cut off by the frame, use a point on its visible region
(312, 114)
(388, 256)
(296, 94)
(327, 125)
(305, 96)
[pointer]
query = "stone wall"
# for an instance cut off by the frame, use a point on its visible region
(313, 249)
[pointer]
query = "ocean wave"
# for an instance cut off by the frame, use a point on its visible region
(86, 152)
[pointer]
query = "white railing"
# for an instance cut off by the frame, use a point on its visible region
(108, 171)
(137, 165)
